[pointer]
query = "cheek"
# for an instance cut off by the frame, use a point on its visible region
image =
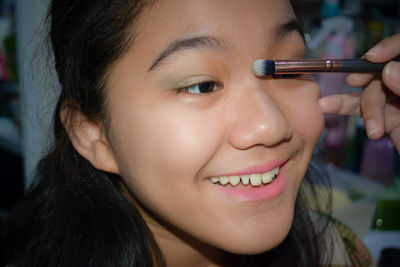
(163, 148)
(302, 110)
(304, 113)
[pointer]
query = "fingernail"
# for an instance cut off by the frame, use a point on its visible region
(354, 76)
(372, 127)
(392, 72)
(374, 50)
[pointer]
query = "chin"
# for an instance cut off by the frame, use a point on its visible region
(258, 241)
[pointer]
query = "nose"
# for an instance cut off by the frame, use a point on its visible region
(258, 120)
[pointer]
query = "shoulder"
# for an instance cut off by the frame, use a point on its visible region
(347, 249)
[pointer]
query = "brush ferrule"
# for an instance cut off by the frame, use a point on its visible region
(306, 66)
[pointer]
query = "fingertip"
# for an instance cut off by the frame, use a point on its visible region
(385, 50)
(353, 77)
(391, 76)
(373, 129)
(357, 79)
(373, 134)
(323, 104)
(322, 101)
(373, 52)
(329, 104)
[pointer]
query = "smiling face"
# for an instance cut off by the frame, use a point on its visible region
(187, 115)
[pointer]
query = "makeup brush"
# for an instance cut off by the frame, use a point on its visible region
(263, 67)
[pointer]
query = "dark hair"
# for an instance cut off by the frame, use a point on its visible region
(75, 214)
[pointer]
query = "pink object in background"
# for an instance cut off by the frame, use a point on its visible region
(3, 67)
(378, 160)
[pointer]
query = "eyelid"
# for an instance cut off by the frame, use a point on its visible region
(296, 56)
(186, 89)
(195, 80)
(191, 81)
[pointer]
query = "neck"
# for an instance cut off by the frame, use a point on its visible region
(182, 250)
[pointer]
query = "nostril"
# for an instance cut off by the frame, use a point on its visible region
(261, 130)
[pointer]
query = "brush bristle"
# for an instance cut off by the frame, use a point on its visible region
(262, 67)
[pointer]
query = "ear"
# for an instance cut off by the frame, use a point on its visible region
(88, 139)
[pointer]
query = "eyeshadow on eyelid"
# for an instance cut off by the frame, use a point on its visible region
(181, 81)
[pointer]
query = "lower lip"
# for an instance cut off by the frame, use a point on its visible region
(254, 193)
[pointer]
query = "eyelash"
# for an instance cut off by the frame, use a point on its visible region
(215, 84)
(198, 87)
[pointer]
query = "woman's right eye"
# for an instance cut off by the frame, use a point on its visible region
(200, 88)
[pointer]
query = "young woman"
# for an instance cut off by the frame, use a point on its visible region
(170, 152)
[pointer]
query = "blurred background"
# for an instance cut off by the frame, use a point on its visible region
(365, 174)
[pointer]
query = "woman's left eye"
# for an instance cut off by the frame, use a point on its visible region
(200, 88)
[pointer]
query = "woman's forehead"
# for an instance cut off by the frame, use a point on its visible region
(169, 24)
(189, 14)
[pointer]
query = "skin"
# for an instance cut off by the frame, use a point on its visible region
(166, 144)
(379, 102)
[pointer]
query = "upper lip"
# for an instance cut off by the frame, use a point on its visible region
(258, 169)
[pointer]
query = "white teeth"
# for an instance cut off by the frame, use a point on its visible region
(267, 177)
(223, 180)
(245, 179)
(234, 180)
(254, 179)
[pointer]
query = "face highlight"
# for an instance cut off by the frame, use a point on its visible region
(209, 150)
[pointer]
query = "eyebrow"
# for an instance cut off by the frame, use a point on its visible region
(210, 42)
(189, 42)
(290, 26)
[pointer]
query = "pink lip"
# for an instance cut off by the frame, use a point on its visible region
(258, 193)
(258, 168)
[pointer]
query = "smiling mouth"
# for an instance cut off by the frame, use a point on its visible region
(255, 179)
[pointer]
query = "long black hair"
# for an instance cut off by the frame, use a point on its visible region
(76, 215)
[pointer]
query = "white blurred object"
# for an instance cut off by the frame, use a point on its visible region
(357, 214)
(376, 241)
(340, 25)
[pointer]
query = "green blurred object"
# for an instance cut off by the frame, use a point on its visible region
(10, 45)
(387, 211)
